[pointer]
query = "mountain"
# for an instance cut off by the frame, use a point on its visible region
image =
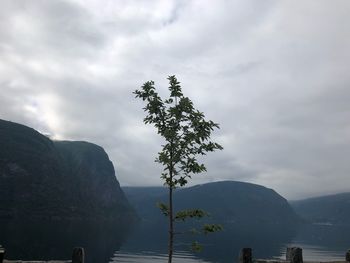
(41, 178)
(334, 209)
(226, 201)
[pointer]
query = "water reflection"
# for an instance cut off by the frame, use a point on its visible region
(325, 242)
(149, 257)
(147, 242)
(266, 240)
(45, 240)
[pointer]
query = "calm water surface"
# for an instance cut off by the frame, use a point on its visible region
(147, 242)
(149, 257)
(322, 242)
(318, 242)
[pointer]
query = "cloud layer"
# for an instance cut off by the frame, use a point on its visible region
(274, 74)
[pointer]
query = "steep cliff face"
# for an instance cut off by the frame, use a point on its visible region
(92, 183)
(40, 178)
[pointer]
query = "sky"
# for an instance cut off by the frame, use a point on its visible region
(274, 74)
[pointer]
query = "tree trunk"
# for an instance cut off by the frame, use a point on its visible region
(171, 212)
(171, 226)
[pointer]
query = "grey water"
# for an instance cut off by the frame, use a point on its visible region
(319, 243)
(145, 242)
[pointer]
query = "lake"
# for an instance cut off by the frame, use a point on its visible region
(319, 242)
(147, 242)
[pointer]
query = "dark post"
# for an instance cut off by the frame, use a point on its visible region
(78, 255)
(347, 256)
(288, 253)
(245, 256)
(2, 253)
(294, 255)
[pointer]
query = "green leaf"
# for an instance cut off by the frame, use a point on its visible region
(211, 228)
(163, 208)
(196, 247)
(191, 213)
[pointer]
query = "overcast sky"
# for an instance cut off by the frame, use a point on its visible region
(274, 74)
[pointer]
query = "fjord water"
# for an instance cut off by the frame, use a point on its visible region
(322, 241)
(55, 240)
(147, 242)
(319, 242)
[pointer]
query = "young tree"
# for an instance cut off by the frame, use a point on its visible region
(187, 135)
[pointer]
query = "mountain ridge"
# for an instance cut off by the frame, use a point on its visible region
(332, 209)
(226, 201)
(41, 178)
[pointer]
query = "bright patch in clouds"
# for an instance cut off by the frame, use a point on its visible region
(274, 74)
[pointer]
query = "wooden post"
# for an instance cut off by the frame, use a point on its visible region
(78, 255)
(294, 255)
(2, 253)
(347, 256)
(245, 256)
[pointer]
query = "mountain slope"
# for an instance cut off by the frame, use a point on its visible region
(40, 178)
(333, 209)
(226, 201)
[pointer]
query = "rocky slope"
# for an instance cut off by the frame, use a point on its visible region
(40, 178)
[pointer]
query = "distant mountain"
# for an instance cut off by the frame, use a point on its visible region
(226, 201)
(144, 200)
(334, 209)
(40, 178)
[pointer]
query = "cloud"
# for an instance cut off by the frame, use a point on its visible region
(273, 74)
